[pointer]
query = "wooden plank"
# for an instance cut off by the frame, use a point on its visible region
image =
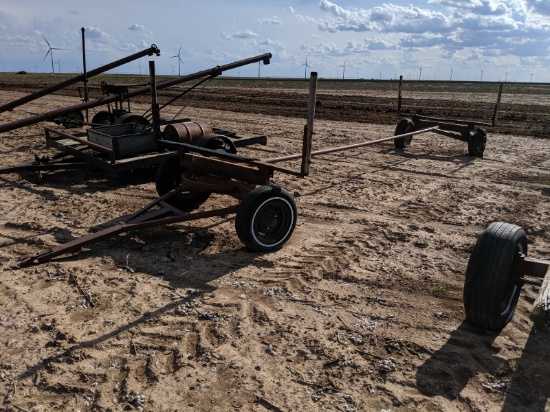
(541, 308)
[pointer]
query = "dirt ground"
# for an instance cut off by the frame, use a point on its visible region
(361, 310)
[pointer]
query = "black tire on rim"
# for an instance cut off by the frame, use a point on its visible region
(266, 218)
(222, 144)
(168, 177)
(73, 120)
(476, 143)
(403, 127)
(492, 285)
(132, 118)
(103, 117)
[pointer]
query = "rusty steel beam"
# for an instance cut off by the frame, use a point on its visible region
(529, 266)
(82, 77)
(347, 147)
(215, 71)
(144, 218)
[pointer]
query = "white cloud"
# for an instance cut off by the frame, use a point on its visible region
(136, 27)
(270, 21)
(387, 18)
(95, 33)
(242, 35)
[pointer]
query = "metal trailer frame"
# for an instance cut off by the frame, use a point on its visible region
(78, 147)
(75, 152)
(464, 130)
(260, 205)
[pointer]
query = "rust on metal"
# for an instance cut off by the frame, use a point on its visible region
(144, 218)
(347, 147)
(82, 77)
(213, 72)
(186, 132)
(528, 266)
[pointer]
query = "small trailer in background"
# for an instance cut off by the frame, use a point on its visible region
(468, 131)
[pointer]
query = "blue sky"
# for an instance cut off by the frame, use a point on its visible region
(493, 40)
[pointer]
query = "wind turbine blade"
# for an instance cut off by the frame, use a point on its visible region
(47, 41)
(48, 52)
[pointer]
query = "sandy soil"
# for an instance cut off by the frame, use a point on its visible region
(360, 311)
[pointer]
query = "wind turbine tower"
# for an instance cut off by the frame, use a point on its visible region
(179, 61)
(344, 69)
(306, 66)
(50, 52)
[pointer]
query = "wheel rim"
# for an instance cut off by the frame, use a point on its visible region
(272, 222)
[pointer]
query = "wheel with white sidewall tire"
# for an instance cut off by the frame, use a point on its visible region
(404, 126)
(493, 283)
(266, 218)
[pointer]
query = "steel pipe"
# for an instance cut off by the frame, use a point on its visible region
(215, 71)
(82, 77)
(351, 146)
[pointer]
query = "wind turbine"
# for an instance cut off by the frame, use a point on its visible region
(50, 52)
(307, 65)
(179, 61)
(451, 79)
(172, 67)
(344, 70)
(58, 62)
(481, 79)
(420, 75)
(139, 68)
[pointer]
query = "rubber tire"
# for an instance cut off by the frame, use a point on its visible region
(266, 218)
(168, 177)
(476, 143)
(403, 127)
(492, 288)
(132, 118)
(103, 118)
(73, 120)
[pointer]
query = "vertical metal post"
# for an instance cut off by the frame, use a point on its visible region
(308, 129)
(85, 72)
(497, 105)
(399, 95)
(154, 104)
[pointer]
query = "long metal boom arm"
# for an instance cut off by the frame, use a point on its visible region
(215, 71)
(33, 96)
